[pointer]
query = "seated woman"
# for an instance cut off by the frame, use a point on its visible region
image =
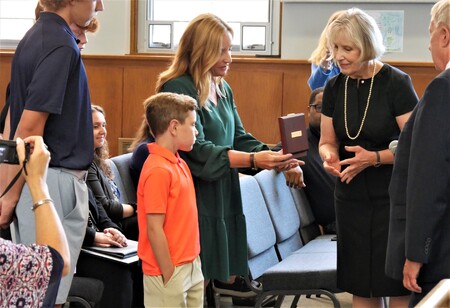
(140, 151)
(100, 180)
(122, 282)
(30, 274)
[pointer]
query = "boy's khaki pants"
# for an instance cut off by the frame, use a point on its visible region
(184, 288)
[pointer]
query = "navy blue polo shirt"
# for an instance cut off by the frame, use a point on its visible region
(48, 75)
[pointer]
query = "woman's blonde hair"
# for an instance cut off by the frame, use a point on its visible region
(360, 28)
(199, 49)
(322, 48)
(142, 134)
(101, 154)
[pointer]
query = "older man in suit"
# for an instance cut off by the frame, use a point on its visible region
(395, 256)
(427, 225)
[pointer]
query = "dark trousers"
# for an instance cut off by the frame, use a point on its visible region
(130, 228)
(5, 233)
(123, 283)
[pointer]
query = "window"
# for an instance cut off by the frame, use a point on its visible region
(16, 17)
(255, 23)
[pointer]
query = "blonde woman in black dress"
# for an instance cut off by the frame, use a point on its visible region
(364, 108)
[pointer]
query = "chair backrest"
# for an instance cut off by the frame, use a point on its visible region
(309, 227)
(282, 210)
(86, 292)
(260, 232)
(121, 169)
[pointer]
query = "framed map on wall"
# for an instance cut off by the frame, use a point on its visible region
(391, 27)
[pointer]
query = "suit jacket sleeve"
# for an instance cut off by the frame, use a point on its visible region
(429, 171)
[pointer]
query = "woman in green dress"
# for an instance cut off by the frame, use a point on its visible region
(201, 61)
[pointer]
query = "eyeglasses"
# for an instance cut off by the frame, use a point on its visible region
(317, 107)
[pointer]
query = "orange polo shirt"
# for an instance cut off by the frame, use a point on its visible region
(166, 187)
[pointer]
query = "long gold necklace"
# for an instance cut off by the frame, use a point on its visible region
(365, 111)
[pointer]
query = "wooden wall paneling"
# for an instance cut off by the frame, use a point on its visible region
(5, 75)
(139, 83)
(106, 89)
(296, 91)
(258, 96)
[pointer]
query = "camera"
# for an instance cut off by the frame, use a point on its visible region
(8, 153)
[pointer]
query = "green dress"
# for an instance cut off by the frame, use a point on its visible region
(223, 237)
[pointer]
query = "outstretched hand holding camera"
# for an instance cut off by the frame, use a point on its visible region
(9, 179)
(11, 182)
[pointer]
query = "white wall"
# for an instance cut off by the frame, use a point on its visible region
(303, 22)
(113, 37)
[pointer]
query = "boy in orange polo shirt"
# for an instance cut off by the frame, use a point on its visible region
(169, 240)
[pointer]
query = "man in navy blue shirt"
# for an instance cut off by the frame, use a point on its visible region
(50, 98)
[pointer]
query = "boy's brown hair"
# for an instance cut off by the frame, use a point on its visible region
(162, 108)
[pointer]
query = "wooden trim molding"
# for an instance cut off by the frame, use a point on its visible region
(133, 26)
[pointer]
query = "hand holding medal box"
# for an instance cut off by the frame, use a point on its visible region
(294, 138)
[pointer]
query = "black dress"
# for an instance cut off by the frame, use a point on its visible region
(362, 206)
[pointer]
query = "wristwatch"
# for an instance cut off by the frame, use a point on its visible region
(378, 163)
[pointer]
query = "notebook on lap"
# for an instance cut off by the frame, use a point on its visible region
(118, 252)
